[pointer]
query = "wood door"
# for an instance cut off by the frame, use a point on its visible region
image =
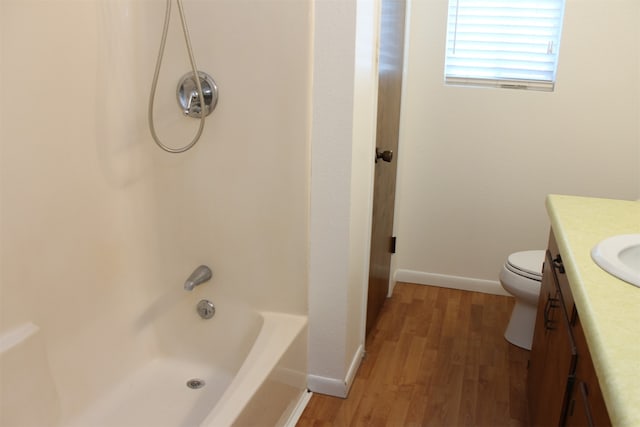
(390, 62)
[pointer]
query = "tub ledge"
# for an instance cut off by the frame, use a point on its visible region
(277, 333)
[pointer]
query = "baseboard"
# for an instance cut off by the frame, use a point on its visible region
(325, 385)
(454, 282)
(353, 368)
(337, 387)
(295, 415)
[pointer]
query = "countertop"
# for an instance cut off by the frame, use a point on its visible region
(609, 308)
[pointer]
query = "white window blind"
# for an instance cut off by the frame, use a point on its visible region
(511, 44)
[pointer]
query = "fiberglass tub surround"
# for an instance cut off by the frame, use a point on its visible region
(117, 225)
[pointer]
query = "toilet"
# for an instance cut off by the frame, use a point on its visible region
(521, 276)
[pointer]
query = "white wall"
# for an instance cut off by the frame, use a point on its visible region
(333, 50)
(97, 224)
(476, 164)
(343, 141)
(365, 112)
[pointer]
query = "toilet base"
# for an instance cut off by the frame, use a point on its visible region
(520, 329)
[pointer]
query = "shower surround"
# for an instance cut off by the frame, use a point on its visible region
(100, 228)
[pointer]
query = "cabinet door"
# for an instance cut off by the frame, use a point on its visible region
(586, 404)
(553, 355)
(579, 413)
(539, 345)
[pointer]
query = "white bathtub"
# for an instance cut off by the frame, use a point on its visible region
(250, 363)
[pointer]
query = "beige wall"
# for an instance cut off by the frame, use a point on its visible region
(331, 149)
(98, 226)
(476, 164)
(343, 141)
(365, 112)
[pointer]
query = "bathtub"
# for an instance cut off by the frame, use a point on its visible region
(252, 374)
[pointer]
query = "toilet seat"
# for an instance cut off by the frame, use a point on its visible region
(526, 264)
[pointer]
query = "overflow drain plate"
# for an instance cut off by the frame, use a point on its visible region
(195, 383)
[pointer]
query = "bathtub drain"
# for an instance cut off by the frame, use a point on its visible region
(195, 383)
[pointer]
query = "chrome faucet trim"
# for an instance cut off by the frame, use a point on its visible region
(199, 275)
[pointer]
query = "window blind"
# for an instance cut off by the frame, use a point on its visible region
(503, 43)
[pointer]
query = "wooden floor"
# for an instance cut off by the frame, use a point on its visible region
(437, 357)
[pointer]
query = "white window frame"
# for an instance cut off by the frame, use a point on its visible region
(503, 43)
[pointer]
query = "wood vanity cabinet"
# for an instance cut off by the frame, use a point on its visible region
(562, 386)
(586, 404)
(553, 351)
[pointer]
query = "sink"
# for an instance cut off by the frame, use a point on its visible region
(620, 256)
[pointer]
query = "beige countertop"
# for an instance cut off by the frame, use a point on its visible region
(609, 308)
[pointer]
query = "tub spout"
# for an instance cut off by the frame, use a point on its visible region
(199, 275)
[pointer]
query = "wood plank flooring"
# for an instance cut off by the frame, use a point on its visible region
(437, 357)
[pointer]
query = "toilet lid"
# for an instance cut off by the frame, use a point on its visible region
(529, 262)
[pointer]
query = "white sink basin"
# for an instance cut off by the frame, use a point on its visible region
(620, 256)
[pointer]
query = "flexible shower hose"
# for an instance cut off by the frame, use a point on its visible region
(154, 84)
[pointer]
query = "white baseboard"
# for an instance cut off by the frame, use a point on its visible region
(333, 386)
(295, 415)
(326, 385)
(454, 282)
(353, 368)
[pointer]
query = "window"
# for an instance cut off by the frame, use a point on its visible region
(512, 44)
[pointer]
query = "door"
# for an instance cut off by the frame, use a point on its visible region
(390, 61)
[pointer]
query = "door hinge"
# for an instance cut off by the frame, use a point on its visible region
(392, 247)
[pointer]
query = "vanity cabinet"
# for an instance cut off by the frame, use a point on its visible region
(586, 404)
(553, 351)
(562, 386)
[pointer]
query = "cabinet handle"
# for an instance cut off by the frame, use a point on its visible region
(572, 406)
(548, 323)
(587, 408)
(557, 264)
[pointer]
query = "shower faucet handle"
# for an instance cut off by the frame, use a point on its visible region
(189, 98)
(193, 102)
